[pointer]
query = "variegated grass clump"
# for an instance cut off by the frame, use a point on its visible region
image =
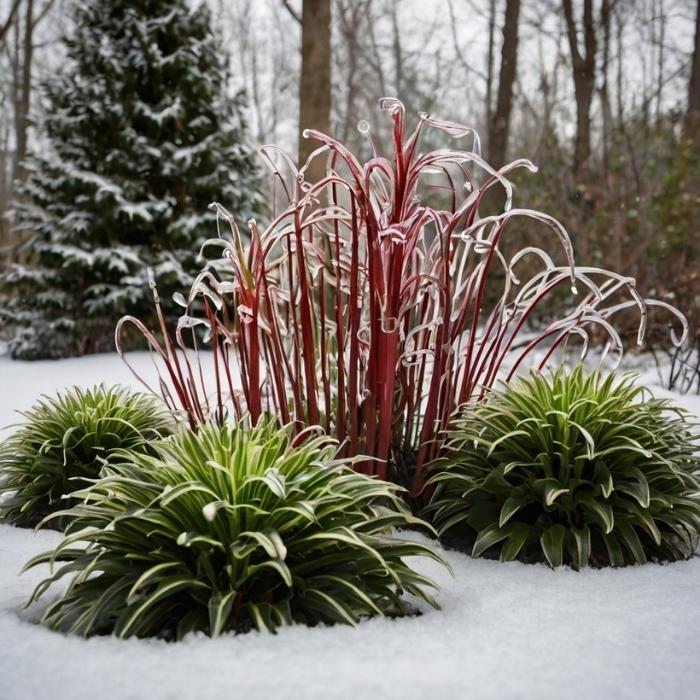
(228, 529)
(579, 470)
(65, 441)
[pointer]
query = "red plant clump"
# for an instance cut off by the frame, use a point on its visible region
(365, 306)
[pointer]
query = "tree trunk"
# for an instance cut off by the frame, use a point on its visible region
(661, 14)
(4, 189)
(396, 50)
(350, 15)
(500, 122)
(489, 66)
(24, 95)
(315, 83)
(604, 88)
(583, 67)
(620, 66)
(692, 118)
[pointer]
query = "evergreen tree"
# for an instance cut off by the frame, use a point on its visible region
(139, 137)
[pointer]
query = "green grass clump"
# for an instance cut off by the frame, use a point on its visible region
(65, 441)
(580, 469)
(228, 529)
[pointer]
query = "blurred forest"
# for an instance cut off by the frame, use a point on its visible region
(603, 95)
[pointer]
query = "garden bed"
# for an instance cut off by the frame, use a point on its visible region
(504, 631)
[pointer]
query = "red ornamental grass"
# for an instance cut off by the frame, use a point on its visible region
(379, 301)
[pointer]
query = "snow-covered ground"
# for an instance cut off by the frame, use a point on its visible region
(505, 631)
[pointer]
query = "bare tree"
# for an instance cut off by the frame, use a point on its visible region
(660, 16)
(397, 49)
(262, 47)
(23, 94)
(583, 65)
(692, 119)
(375, 57)
(489, 62)
(351, 19)
(315, 79)
(5, 26)
(619, 32)
(500, 120)
(18, 46)
(604, 91)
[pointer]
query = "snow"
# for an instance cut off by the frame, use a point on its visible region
(184, 156)
(505, 630)
(140, 210)
(104, 186)
(169, 111)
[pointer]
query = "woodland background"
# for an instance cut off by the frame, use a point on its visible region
(603, 95)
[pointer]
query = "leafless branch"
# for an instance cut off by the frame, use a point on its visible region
(6, 25)
(292, 11)
(42, 13)
(458, 51)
